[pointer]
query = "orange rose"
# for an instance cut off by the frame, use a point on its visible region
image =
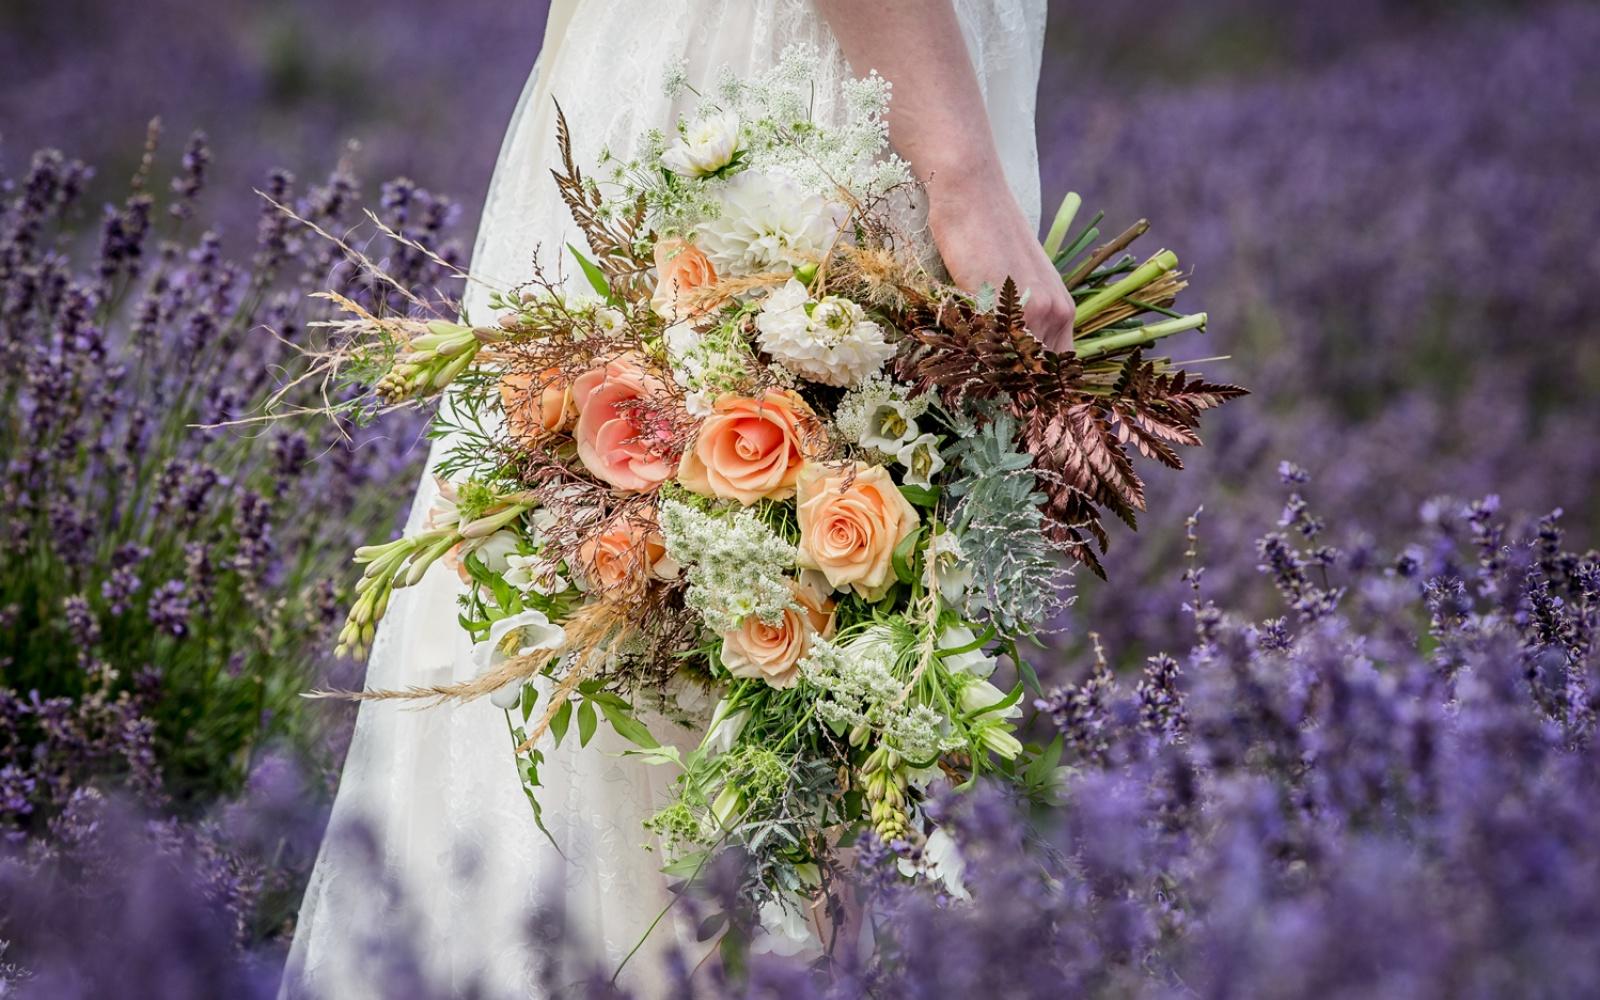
(851, 519)
(773, 652)
(537, 406)
(623, 553)
(681, 269)
(613, 432)
(749, 448)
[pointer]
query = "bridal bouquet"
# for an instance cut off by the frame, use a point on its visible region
(770, 455)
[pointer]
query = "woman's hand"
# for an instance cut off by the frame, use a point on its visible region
(941, 127)
(984, 238)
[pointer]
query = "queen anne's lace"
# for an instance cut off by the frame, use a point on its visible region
(455, 836)
(737, 566)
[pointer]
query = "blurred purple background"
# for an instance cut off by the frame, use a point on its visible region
(1389, 207)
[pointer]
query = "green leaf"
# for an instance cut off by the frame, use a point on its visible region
(686, 866)
(1041, 772)
(732, 952)
(710, 926)
(656, 756)
(905, 558)
(587, 721)
(921, 496)
(985, 634)
(473, 625)
(854, 801)
(530, 695)
(503, 594)
(561, 720)
(597, 277)
(627, 726)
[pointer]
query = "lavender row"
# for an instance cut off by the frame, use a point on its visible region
(172, 574)
(1387, 788)
(1397, 254)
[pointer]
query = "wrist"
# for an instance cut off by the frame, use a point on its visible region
(963, 185)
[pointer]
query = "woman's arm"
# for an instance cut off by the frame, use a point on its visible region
(938, 122)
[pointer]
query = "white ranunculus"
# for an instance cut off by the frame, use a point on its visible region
(922, 461)
(515, 635)
(704, 146)
(766, 222)
(831, 342)
(889, 427)
(973, 661)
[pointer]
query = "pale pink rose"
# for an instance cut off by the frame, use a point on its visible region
(624, 554)
(615, 440)
(537, 406)
(772, 652)
(750, 449)
(851, 518)
(681, 270)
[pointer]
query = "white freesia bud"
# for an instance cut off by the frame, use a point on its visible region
(704, 146)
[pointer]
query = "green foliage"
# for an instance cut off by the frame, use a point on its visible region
(1018, 574)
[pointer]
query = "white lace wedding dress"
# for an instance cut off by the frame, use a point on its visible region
(454, 863)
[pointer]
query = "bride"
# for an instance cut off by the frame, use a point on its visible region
(451, 860)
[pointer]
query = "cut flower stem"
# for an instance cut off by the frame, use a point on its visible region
(1094, 347)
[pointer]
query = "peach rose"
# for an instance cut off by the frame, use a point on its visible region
(772, 653)
(851, 519)
(615, 441)
(537, 406)
(681, 270)
(749, 448)
(623, 553)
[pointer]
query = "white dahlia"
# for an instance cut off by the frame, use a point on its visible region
(830, 341)
(767, 222)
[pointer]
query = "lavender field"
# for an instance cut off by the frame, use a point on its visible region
(1328, 727)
